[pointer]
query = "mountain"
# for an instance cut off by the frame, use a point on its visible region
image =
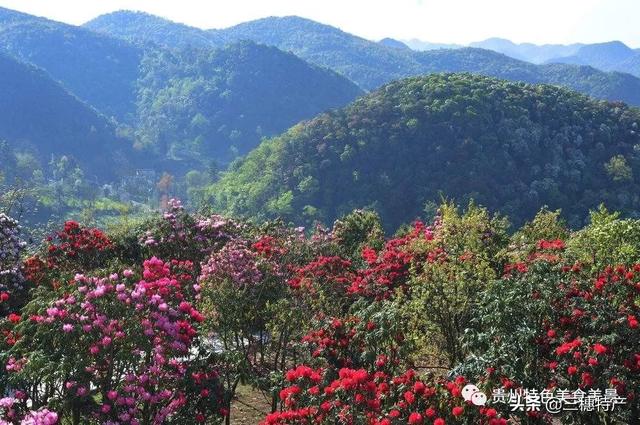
(367, 63)
(510, 146)
(396, 44)
(38, 116)
(100, 70)
(143, 27)
(199, 104)
(611, 56)
(420, 45)
(526, 51)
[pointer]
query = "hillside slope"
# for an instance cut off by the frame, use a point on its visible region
(510, 146)
(39, 116)
(217, 104)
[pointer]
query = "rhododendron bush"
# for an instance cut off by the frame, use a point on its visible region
(162, 322)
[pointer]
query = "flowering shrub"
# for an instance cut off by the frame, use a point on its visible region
(574, 330)
(12, 283)
(76, 248)
(180, 235)
(357, 396)
(162, 324)
(118, 348)
(13, 410)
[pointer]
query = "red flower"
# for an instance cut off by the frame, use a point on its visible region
(439, 421)
(409, 397)
(457, 411)
(572, 370)
(415, 418)
(599, 348)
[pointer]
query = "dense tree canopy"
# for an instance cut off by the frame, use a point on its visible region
(512, 147)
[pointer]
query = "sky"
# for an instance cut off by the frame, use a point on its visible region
(445, 21)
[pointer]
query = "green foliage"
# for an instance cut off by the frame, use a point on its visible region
(461, 257)
(546, 225)
(618, 169)
(358, 230)
(607, 240)
(510, 315)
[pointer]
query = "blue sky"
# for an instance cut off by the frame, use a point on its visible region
(451, 21)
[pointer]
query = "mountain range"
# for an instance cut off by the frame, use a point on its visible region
(369, 64)
(311, 121)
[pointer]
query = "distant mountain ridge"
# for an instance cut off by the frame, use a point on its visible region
(224, 106)
(611, 56)
(420, 45)
(141, 26)
(371, 64)
(527, 51)
(392, 42)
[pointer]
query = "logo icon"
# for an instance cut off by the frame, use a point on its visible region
(472, 393)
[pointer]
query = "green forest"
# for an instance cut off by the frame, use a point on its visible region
(403, 148)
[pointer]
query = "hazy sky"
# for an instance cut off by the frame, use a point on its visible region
(451, 21)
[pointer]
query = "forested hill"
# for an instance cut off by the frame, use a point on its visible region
(100, 70)
(510, 146)
(39, 118)
(146, 28)
(217, 104)
(367, 63)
